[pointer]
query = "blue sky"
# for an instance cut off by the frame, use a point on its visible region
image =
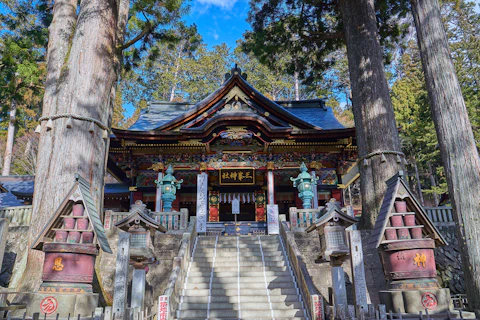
(219, 21)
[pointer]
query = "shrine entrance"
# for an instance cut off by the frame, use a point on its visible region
(247, 212)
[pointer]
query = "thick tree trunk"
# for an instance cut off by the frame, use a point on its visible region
(79, 82)
(419, 184)
(433, 183)
(297, 86)
(455, 137)
(372, 107)
(7, 160)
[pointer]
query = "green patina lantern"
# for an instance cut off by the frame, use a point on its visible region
(303, 182)
(169, 185)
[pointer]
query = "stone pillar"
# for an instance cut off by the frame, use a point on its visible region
(271, 187)
(158, 196)
(358, 270)
(121, 276)
(314, 190)
(138, 289)
(338, 287)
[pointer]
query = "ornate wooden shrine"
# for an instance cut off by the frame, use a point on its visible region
(71, 241)
(248, 145)
(406, 237)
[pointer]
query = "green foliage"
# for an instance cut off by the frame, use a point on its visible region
(309, 31)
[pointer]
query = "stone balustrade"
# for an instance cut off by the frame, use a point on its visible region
(170, 220)
(303, 218)
(17, 216)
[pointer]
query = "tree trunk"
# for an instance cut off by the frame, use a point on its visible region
(175, 74)
(455, 137)
(7, 160)
(372, 107)
(297, 86)
(433, 183)
(419, 184)
(79, 82)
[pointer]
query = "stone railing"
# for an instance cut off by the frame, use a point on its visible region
(170, 220)
(168, 302)
(302, 218)
(313, 301)
(17, 216)
(440, 216)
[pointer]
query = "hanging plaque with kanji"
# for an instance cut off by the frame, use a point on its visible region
(236, 177)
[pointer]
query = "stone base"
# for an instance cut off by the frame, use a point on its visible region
(414, 301)
(63, 304)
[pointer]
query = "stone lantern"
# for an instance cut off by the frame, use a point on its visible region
(142, 226)
(169, 185)
(303, 182)
(331, 230)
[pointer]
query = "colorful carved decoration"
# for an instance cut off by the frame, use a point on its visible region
(213, 205)
(260, 202)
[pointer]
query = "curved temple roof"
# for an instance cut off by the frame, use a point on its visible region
(306, 114)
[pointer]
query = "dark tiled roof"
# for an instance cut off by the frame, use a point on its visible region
(312, 111)
(23, 186)
(7, 199)
(159, 113)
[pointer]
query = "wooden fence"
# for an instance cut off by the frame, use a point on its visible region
(170, 220)
(441, 216)
(303, 218)
(17, 216)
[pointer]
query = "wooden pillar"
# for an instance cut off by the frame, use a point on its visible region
(271, 187)
(158, 195)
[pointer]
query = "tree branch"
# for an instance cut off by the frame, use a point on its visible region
(322, 36)
(146, 30)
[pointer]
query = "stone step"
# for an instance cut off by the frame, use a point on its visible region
(268, 318)
(244, 271)
(231, 265)
(230, 243)
(243, 292)
(242, 258)
(243, 285)
(243, 306)
(243, 299)
(241, 314)
(229, 253)
(233, 247)
(234, 279)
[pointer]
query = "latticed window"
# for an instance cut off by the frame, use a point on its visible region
(335, 238)
(138, 240)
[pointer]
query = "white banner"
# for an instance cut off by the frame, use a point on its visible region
(272, 219)
(235, 206)
(202, 202)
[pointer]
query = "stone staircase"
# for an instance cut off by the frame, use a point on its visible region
(240, 278)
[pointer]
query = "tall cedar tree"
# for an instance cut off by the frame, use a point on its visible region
(85, 49)
(455, 136)
(310, 31)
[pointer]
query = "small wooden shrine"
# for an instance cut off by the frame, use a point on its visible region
(406, 239)
(71, 240)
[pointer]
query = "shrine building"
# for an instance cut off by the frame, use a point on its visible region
(248, 145)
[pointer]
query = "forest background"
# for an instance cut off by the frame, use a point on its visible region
(183, 68)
